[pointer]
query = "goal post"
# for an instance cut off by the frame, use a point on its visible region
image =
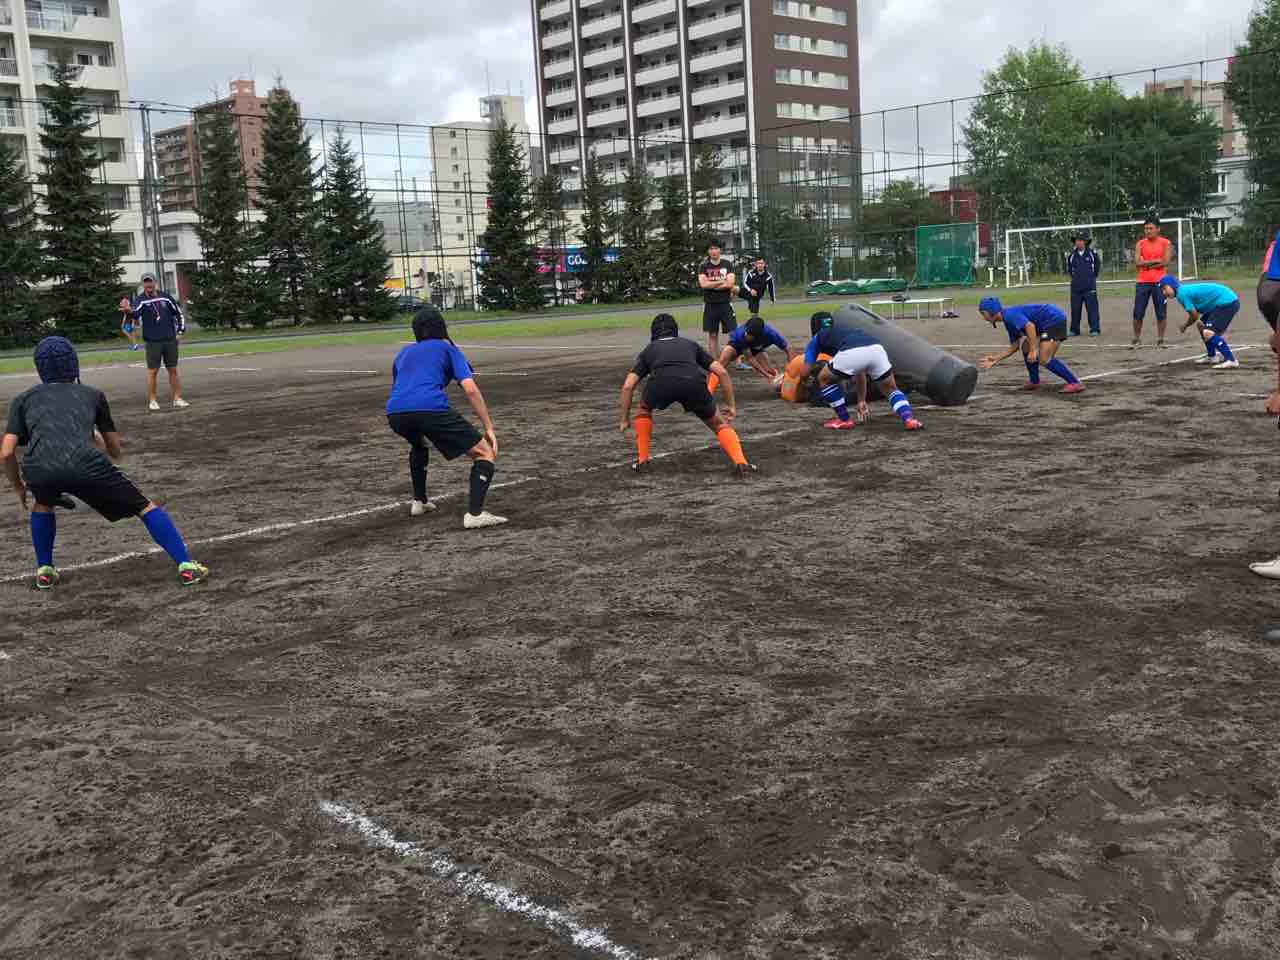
(1036, 256)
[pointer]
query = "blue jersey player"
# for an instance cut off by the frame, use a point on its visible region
(752, 340)
(1035, 330)
(855, 355)
(1211, 307)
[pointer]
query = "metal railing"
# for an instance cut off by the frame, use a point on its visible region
(54, 22)
(8, 68)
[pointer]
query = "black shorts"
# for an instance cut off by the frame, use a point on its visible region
(98, 482)
(662, 392)
(718, 318)
(1057, 332)
(1269, 300)
(449, 432)
(162, 351)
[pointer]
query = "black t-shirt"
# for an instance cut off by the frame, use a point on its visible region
(55, 422)
(673, 358)
(716, 271)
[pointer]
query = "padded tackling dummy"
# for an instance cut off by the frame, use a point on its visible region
(917, 364)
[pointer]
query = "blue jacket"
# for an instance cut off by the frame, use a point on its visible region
(160, 315)
(1083, 267)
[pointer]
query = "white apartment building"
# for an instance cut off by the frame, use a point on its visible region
(33, 33)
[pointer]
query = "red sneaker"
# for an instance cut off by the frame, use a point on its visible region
(913, 424)
(1073, 388)
(838, 424)
(1029, 386)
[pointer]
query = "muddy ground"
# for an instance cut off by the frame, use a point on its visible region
(996, 690)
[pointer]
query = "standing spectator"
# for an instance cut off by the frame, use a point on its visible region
(162, 328)
(756, 284)
(1151, 256)
(1083, 266)
(715, 278)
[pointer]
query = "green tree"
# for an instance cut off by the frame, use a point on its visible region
(351, 257)
(636, 259)
(551, 225)
(675, 261)
(889, 224)
(226, 284)
(287, 199)
(598, 225)
(81, 256)
(509, 275)
(705, 184)
(796, 245)
(20, 266)
(1253, 84)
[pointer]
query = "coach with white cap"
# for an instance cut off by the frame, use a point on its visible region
(162, 327)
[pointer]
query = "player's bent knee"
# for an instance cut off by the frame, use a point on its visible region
(482, 451)
(148, 508)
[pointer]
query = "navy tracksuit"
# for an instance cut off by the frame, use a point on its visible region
(1083, 267)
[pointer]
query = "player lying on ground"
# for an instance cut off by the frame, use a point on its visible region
(1269, 305)
(418, 410)
(752, 340)
(1036, 330)
(1211, 307)
(855, 355)
(70, 442)
(676, 370)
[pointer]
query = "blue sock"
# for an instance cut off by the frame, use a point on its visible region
(901, 405)
(44, 527)
(1221, 346)
(1209, 347)
(1033, 371)
(1060, 369)
(166, 535)
(834, 395)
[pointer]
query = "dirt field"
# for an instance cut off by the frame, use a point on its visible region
(996, 690)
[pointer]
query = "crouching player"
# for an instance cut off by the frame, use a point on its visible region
(751, 340)
(418, 410)
(677, 369)
(1211, 307)
(855, 355)
(71, 443)
(1035, 330)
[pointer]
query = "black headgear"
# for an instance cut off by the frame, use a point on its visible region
(755, 329)
(820, 321)
(664, 325)
(428, 324)
(56, 361)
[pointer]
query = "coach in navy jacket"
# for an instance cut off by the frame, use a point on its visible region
(1083, 264)
(162, 326)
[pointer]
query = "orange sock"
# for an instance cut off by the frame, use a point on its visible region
(644, 435)
(730, 444)
(712, 382)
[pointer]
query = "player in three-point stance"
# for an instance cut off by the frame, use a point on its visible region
(418, 410)
(855, 355)
(1211, 307)
(71, 444)
(1036, 330)
(752, 340)
(676, 370)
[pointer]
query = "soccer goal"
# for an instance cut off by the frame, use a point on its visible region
(1036, 256)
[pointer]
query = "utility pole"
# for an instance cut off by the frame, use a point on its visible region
(151, 208)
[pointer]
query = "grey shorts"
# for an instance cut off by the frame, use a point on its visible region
(162, 351)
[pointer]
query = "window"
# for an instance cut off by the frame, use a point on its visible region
(453, 134)
(453, 153)
(84, 59)
(462, 236)
(1222, 183)
(457, 219)
(169, 244)
(455, 170)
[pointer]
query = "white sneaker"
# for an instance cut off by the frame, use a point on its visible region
(1205, 361)
(1227, 365)
(1269, 569)
(486, 519)
(420, 507)
(153, 405)
(180, 404)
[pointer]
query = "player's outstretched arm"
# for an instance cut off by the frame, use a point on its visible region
(987, 362)
(624, 401)
(863, 410)
(476, 399)
(730, 408)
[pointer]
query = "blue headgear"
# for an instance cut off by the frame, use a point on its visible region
(990, 305)
(56, 361)
(1169, 280)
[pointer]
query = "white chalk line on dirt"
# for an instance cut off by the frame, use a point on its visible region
(475, 886)
(1154, 366)
(366, 372)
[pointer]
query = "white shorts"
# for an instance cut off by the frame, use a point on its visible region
(871, 360)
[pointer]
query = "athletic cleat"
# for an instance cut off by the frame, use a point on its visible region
(153, 405)
(743, 470)
(180, 404)
(1029, 386)
(1269, 569)
(46, 578)
(1161, 345)
(136, 346)
(913, 424)
(1072, 333)
(191, 573)
(1135, 343)
(1095, 333)
(1227, 365)
(420, 507)
(1205, 361)
(641, 466)
(838, 424)
(1073, 388)
(485, 519)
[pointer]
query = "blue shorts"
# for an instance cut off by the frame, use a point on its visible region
(1219, 318)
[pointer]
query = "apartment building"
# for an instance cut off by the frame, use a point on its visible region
(772, 83)
(35, 34)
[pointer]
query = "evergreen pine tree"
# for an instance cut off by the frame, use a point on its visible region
(705, 183)
(80, 254)
(636, 259)
(551, 226)
(351, 259)
(226, 284)
(598, 225)
(287, 200)
(675, 262)
(509, 275)
(19, 253)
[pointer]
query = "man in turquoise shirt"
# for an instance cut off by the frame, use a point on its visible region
(1211, 307)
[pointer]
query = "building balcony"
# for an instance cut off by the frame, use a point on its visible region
(649, 108)
(571, 184)
(715, 26)
(667, 71)
(600, 88)
(556, 127)
(602, 25)
(11, 119)
(564, 155)
(717, 60)
(558, 98)
(560, 38)
(550, 11)
(697, 3)
(604, 118)
(51, 22)
(657, 42)
(666, 168)
(652, 10)
(651, 138)
(8, 68)
(597, 58)
(557, 68)
(709, 129)
(612, 147)
(718, 92)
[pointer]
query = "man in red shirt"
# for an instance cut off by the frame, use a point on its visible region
(1151, 256)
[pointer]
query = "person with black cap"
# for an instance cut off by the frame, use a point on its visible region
(71, 444)
(1083, 265)
(418, 410)
(162, 328)
(676, 370)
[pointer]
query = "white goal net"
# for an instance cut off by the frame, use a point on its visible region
(1036, 256)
